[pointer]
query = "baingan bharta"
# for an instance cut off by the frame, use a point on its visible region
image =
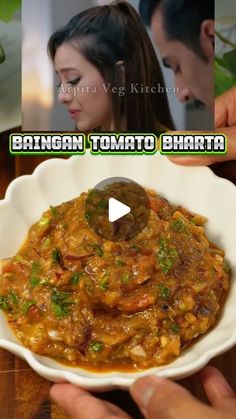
(102, 305)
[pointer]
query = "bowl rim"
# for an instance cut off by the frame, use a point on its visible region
(111, 379)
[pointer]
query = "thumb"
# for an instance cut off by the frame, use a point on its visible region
(159, 398)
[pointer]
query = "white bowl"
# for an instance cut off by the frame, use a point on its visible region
(58, 180)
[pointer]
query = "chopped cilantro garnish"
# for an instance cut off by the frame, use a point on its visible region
(53, 210)
(59, 311)
(126, 278)
(4, 302)
(96, 346)
(60, 302)
(102, 205)
(98, 249)
(13, 297)
(164, 292)
(34, 281)
(76, 278)
(103, 284)
(56, 256)
(178, 225)
(175, 328)
(166, 255)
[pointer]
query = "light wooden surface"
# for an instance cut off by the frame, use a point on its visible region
(23, 394)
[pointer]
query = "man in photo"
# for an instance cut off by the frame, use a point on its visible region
(184, 32)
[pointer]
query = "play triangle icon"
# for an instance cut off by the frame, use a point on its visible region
(117, 210)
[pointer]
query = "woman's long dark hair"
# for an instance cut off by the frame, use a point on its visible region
(114, 33)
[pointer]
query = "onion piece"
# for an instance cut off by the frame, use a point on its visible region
(138, 351)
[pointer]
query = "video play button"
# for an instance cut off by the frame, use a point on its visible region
(117, 209)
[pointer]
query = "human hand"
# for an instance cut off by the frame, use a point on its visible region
(157, 398)
(225, 109)
(225, 123)
(205, 160)
(165, 399)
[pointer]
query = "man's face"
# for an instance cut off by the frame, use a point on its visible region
(194, 77)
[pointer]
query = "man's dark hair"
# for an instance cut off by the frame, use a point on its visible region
(182, 19)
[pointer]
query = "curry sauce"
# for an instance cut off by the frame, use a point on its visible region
(85, 301)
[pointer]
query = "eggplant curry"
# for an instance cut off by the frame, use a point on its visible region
(85, 301)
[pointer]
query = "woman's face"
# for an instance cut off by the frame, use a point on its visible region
(82, 90)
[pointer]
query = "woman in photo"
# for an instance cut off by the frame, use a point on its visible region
(109, 75)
